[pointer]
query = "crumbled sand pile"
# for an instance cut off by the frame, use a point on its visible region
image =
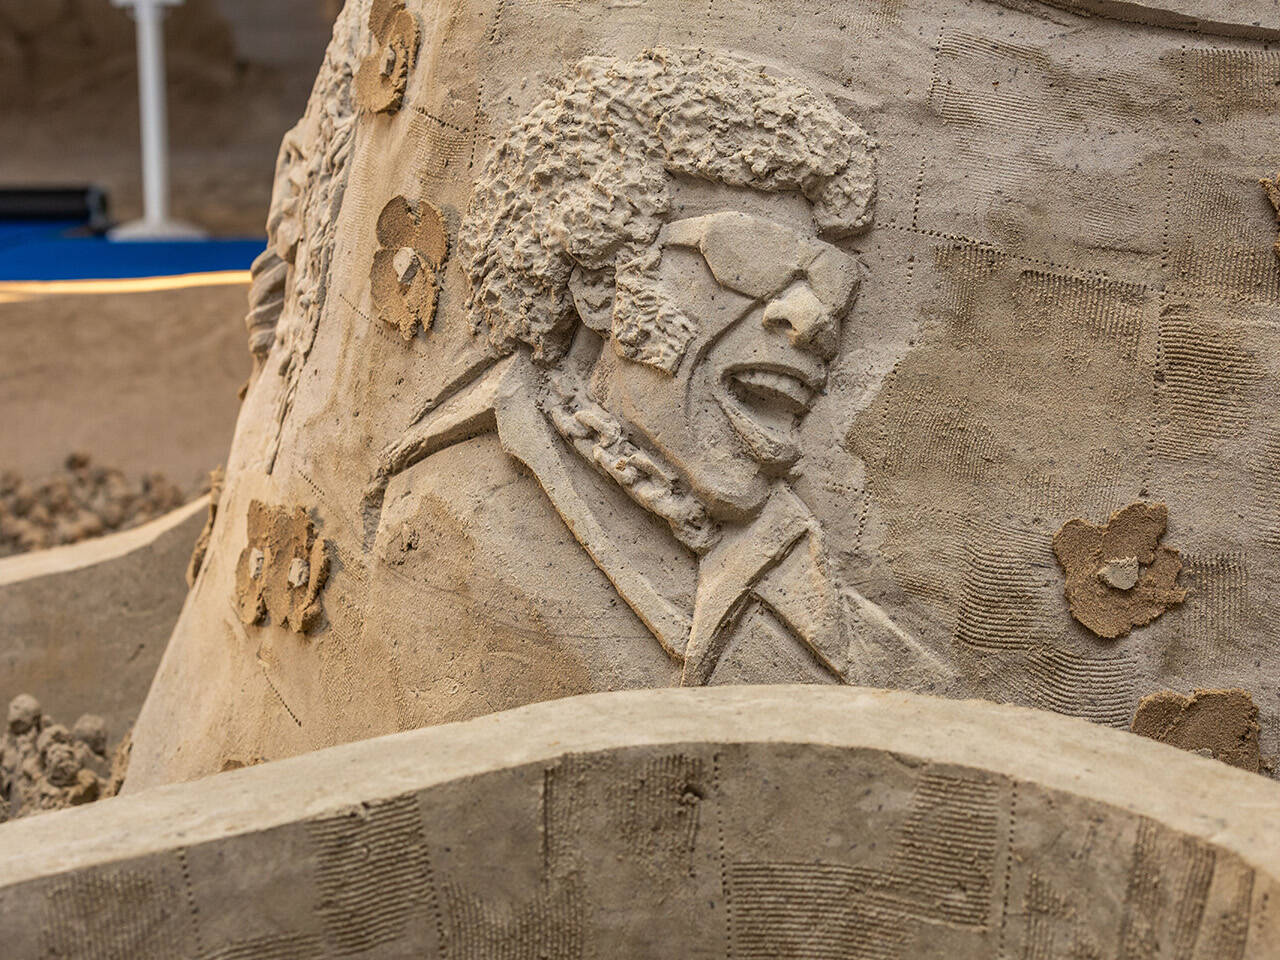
(45, 766)
(81, 502)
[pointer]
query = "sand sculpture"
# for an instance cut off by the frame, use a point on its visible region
(610, 346)
(1222, 724)
(619, 347)
(728, 822)
(382, 77)
(282, 569)
(413, 243)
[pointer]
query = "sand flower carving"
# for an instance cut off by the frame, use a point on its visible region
(1222, 722)
(282, 569)
(1118, 575)
(412, 246)
(384, 74)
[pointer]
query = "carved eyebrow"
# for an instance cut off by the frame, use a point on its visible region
(689, 231)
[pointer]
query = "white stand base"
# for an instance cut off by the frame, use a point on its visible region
(156, 230)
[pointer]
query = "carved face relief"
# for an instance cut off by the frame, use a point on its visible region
(765, 299)
(284, 226)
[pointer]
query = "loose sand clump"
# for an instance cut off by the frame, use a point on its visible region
(45, 766)
(81, 502)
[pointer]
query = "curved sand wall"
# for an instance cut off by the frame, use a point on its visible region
(744, 822)
(83, 627)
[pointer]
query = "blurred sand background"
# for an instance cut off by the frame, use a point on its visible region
(141, 386)
(239, 74)
(142, 382)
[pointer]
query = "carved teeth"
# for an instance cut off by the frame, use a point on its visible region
(773, 387)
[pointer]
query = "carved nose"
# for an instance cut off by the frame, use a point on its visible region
(809, 323)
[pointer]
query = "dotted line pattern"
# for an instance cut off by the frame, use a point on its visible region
(292, 715)
(191, 899)
(1008, 869)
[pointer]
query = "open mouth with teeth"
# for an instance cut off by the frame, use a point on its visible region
(764, 404)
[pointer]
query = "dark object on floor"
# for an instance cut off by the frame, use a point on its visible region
(85, 205)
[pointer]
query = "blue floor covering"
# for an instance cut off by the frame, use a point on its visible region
(36, 250)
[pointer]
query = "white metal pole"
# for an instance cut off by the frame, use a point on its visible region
(151, 102)
(153, 115)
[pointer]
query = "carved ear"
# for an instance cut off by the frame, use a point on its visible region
(593, 292)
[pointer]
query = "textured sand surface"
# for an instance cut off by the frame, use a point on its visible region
(1068, 303)
(771, 822)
